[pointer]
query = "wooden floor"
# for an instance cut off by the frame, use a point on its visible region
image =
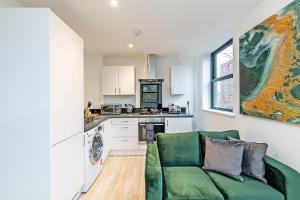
(122, 178)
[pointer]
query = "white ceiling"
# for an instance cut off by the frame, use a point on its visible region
(170, 27)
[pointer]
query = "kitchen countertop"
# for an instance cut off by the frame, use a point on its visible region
(100, 118)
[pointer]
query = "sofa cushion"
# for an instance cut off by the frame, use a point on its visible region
(224, 156)
(180, 149)
(190, 183)
(250, 189)
(222, 135)
(253, 164)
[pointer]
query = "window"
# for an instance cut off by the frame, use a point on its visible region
(222, 78)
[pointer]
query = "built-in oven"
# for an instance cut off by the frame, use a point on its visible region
(148, 129)
(151, 93)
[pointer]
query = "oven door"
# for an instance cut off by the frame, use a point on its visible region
(158, 127)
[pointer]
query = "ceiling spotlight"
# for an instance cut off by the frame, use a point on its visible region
(114, 3)
(130, 45)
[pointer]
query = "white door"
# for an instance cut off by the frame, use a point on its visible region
(126, 80)
(66, 81)
(67, 163)
(110, 80)
(179, 125)
(178, 80)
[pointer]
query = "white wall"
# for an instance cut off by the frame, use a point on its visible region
(9, 3)
(283, 139)
(92, 80)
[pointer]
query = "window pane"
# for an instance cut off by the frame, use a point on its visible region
(223, 94)
(224, 62)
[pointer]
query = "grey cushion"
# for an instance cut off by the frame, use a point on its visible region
(253, 163)
(224, 156)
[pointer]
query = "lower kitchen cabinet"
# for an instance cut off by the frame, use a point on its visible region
(125, 143)
(124, 131)
(179, 125)
(124, 134)
(67, 167)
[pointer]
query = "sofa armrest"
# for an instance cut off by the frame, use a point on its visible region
(153, 174)
(283, 178)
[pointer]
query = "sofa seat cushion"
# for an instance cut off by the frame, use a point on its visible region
(250, 189)
(189, 183)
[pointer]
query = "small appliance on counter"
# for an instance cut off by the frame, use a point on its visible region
(129, 108)
(111, 109)
(174, 109)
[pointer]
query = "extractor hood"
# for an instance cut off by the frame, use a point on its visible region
(151, 64)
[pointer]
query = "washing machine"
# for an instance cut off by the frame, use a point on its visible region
(93, 155)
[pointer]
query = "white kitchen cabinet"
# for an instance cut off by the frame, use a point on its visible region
(124, 130)
(43, 83)
(178, 125)
(118, 80)
(110, 80)
(124, 134)
(66, 165)
(179, 79)
(126, 80)
(125, 143)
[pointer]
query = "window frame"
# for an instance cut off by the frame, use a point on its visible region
(214, 79)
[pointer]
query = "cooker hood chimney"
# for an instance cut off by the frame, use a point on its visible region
(151, 64)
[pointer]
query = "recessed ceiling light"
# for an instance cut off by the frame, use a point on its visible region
(114, 3)
(130, 45)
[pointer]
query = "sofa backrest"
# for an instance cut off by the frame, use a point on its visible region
(179, 149)
(222, 135)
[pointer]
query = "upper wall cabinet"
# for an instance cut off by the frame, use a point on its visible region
(179, 78)
(118, 80)
(110, 80)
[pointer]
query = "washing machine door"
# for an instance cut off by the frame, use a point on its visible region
(96, 148)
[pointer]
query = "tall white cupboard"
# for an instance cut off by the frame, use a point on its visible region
(41, 103)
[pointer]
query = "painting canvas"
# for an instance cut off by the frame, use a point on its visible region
(270, 67)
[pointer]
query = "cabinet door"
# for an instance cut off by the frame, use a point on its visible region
(110, 80)
(126, 80)
(66, 81)
(178, 80)
(124, 131)
(179, 125)
(67, 168)
(129, 143)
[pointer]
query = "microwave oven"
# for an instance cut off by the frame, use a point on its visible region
(111, 109)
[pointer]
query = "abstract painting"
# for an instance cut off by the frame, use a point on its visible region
(270, 67)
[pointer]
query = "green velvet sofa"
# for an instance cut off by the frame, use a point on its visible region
(174, 172)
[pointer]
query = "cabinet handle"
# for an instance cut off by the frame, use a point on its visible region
(125, 127)
(119, 90)
(124, 140)
(167, 123)
(115, 90)
(125, 121)
(103, 128)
